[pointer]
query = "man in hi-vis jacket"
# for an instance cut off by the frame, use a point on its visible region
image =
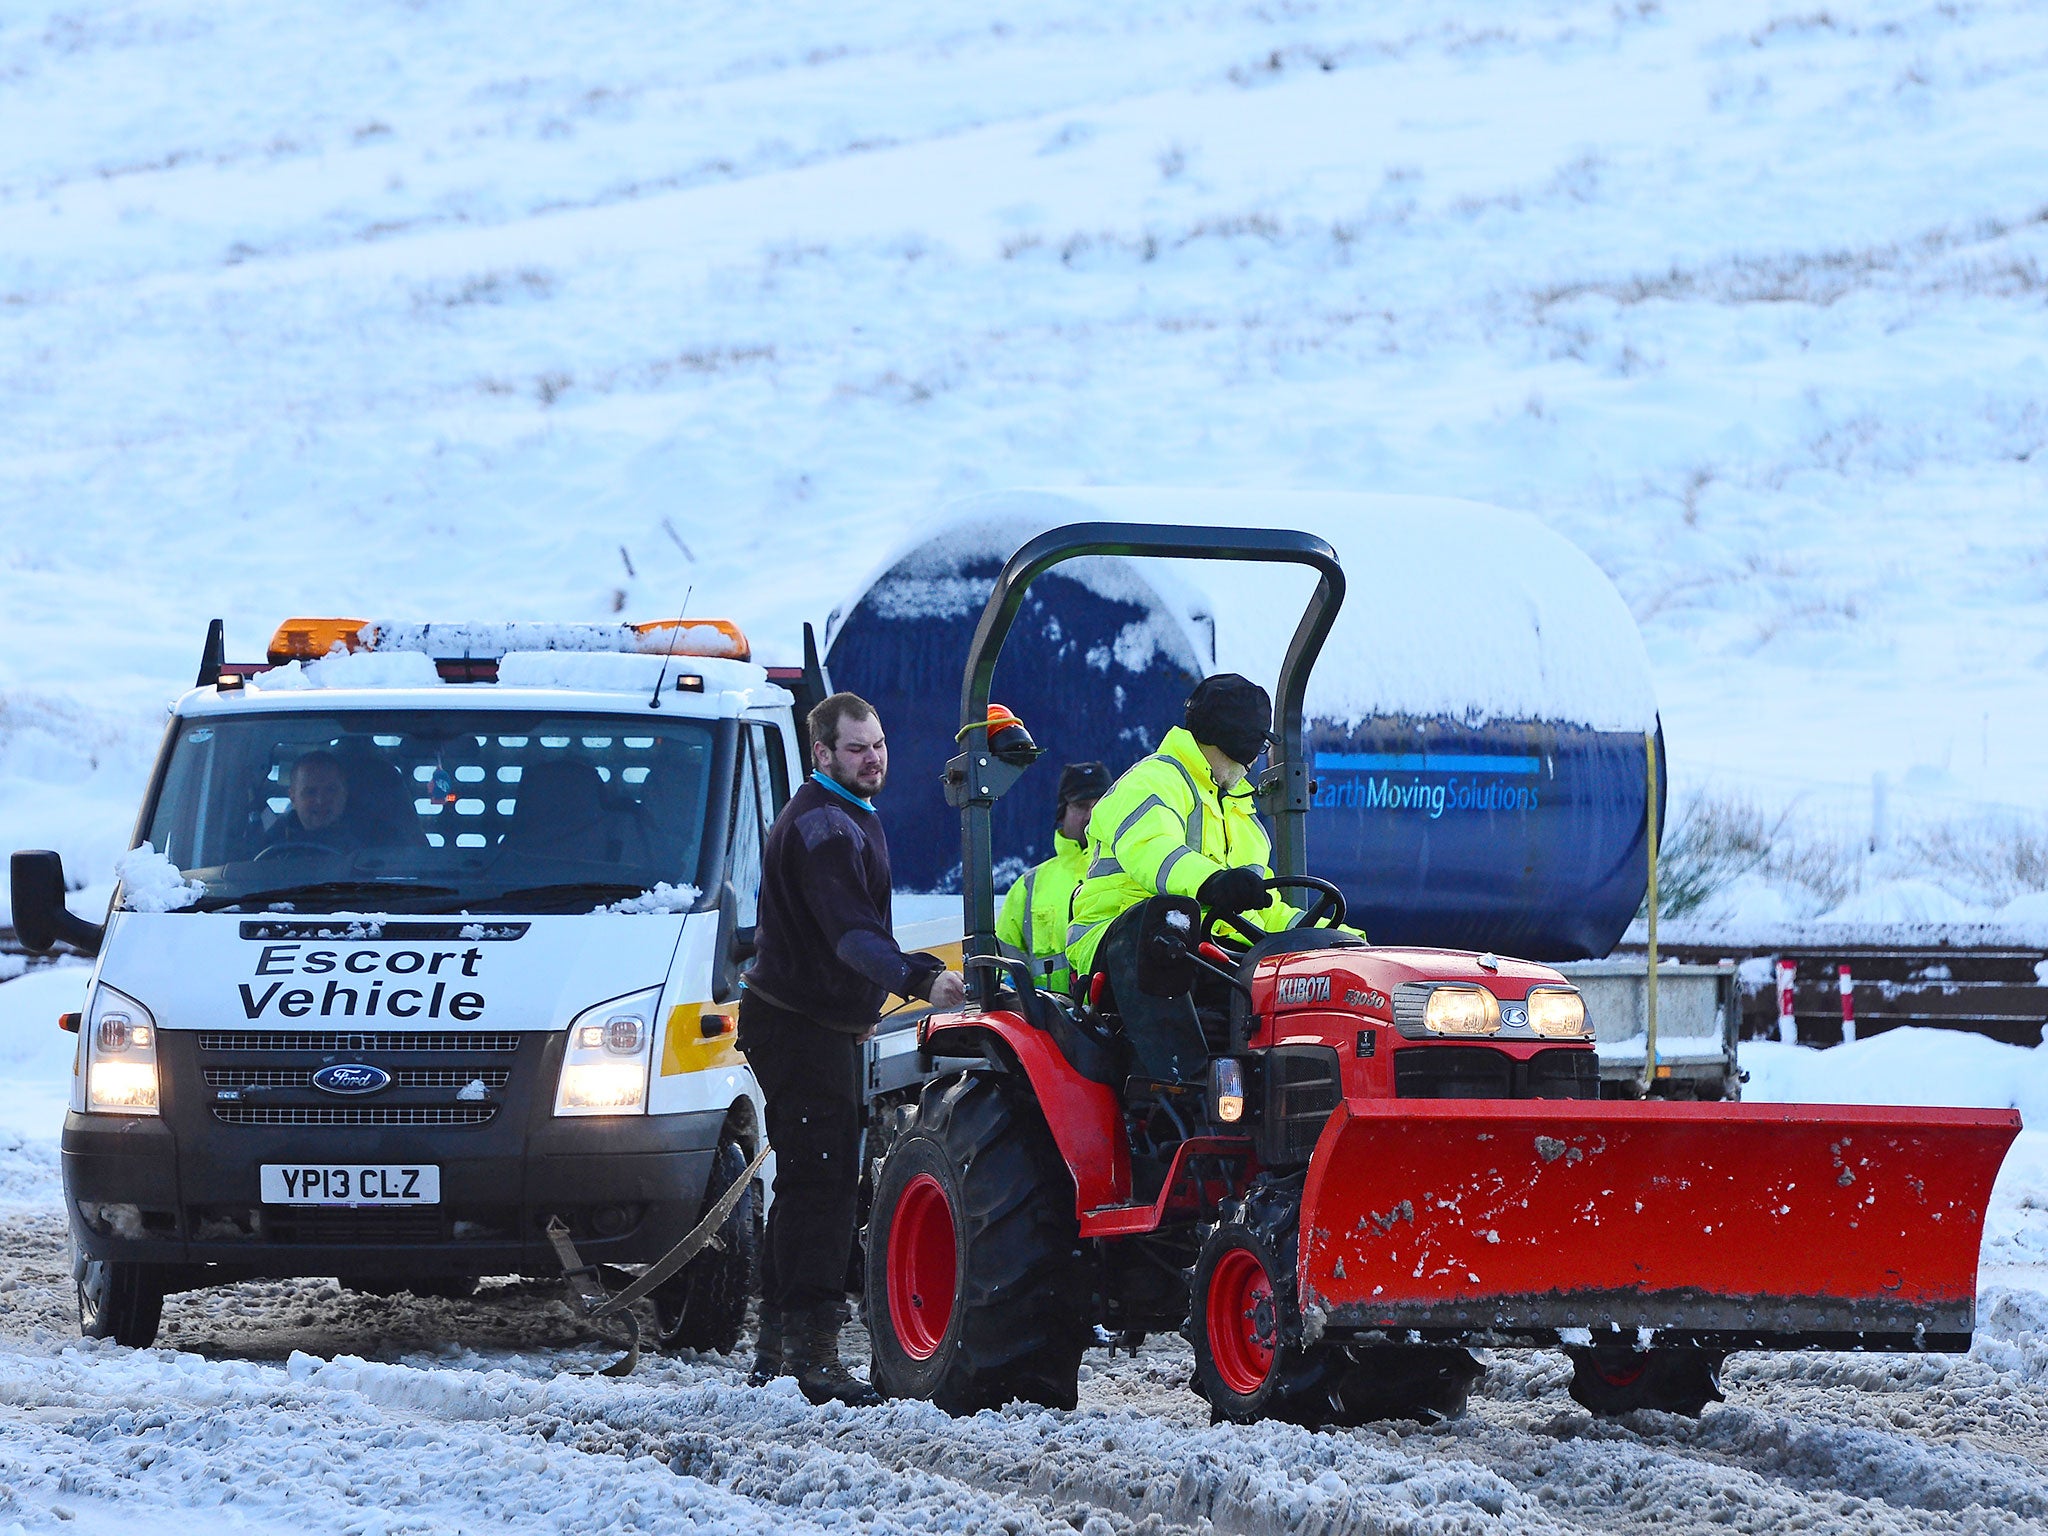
(1178, 823)
(1039, 908)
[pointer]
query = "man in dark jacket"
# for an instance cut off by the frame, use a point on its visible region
(825, 958)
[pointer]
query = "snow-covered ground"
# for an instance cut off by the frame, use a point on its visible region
(295, 1405)
(414, 310)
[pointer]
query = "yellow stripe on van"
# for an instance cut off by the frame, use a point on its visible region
(952, 954)
(686, 1049)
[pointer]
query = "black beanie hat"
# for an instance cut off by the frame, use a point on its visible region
(1231, 713)
(1083, 781)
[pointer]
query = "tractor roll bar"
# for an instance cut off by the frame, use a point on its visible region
(975, 781)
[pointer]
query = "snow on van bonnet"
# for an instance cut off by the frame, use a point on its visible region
(150, 882)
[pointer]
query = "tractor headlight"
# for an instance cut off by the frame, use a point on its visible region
(1454, 1010)
(120, 1061)
(1557, 1013)
(1226, 1090)
(605, 1059)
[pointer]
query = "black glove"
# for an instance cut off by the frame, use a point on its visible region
(1234, 890)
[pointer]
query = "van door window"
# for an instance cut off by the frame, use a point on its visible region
(747, 831)
(771, 770)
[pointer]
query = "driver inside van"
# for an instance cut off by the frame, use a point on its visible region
(318, 817)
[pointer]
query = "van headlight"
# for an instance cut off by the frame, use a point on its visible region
(1557, 1013)
(1456, 1010)
(606, 1057)
(120, 1055)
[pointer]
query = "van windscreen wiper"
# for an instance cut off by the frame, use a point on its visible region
(561, 893)
(319, 889)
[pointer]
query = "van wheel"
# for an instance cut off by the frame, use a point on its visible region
(122, 1302)
(705, 1306)
(974, 1287)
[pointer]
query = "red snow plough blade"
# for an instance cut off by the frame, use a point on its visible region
(1735, 1226)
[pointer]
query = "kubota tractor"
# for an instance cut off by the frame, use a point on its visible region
(1398, 1153)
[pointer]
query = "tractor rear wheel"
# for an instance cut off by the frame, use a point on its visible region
(1611, 1382)
(974, 1281)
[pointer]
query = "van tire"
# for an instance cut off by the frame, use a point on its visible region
(705, 1306)
(122, 1302)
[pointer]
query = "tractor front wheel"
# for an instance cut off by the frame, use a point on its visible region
(1251, 1362)
(974, 1285)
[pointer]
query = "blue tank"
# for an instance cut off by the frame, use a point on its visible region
(1456, 803)
(1521, 837)
(1070, 671)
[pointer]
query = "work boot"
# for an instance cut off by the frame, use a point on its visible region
(768, 1348)
(811, 1355)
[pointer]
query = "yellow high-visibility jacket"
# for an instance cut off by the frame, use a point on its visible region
(1162, 830)
(1038, 909)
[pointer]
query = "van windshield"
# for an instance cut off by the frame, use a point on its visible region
(416, 810)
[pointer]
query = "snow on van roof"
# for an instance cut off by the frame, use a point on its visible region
(351, 669)
(1455, 609)
(610, 672)
(584, 671)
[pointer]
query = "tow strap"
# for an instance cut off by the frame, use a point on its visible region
(586, 1282)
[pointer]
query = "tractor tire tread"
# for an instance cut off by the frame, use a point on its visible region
(1019, 1333)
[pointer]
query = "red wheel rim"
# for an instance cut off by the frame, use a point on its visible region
(1241, 1321)
(922, 1267)
(1620, 1375)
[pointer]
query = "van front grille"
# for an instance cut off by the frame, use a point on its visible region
(495, 1042)
(404, 1077)
(320, 1224)
(354, 1114)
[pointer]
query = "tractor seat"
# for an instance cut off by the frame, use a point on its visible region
(1074, 1031)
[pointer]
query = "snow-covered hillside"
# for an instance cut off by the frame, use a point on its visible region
(444, 310)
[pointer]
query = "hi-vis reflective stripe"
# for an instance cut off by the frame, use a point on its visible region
(1106, 863)
(1030, 894)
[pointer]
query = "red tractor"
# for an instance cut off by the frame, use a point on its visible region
(1399, 1153)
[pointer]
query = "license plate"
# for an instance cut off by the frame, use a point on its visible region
(350, 1184)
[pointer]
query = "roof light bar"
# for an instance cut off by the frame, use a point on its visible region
(310, 639)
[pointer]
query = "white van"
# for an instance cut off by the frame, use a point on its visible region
(436, 935)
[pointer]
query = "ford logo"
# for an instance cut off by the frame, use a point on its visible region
(351, 1077)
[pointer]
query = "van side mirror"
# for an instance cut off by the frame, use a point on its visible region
(1166, 946)
(41, 918)
(734, 947)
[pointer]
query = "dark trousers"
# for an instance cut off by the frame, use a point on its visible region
(810, 1076)
(1164, 1031)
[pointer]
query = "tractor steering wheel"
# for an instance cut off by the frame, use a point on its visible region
(1326, 911)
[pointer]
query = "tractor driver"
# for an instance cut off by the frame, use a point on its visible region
(1039, 908)
(1177, 823)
